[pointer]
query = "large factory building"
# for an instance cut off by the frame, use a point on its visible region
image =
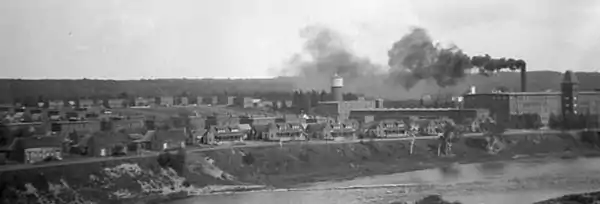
(340, 109)
(504, 105)
(363, 110)
(378, 114)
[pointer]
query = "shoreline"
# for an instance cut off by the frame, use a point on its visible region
(435, 163)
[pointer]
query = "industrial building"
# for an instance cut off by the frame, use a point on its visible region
(503, 106)
(340, 109)
(379, 114)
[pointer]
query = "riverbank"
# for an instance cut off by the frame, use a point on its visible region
(181, 174)
(583, 198)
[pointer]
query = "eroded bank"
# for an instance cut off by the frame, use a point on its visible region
(179, 174)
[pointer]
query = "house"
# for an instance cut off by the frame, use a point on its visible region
(35, 149)
(141, 101)
(260, 131)
(63, 128)
(159, 140)
(213, 100)
(166, 101)
(225, 100)
(387, 128)
(184, 101)
(56, 104)
(54, 115)
(128, 124)
(86, 103)
(243, 102)
(104, 143)
(331, 131)
(285, 132)
(224, 134)
(117, 103)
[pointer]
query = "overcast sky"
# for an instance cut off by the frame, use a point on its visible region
(132, 39)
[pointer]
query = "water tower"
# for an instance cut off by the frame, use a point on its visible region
(337, 83)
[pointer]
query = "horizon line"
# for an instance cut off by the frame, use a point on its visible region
(214, 78)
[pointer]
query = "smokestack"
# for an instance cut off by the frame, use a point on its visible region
(523, 79)
(379, 103)
(337, 83)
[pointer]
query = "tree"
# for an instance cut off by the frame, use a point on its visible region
(554, 121)
(314, 98)
(123, 95)
(537, 121)
(323, 96)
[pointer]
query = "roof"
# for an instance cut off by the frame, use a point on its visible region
(570, 77)
(406, 109)
(107, 138)
(37, 142)
(244, 127)
(262, 127)
(170, 135)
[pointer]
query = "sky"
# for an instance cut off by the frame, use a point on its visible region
(133, 39)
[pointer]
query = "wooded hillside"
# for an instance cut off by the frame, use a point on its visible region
(280, 87)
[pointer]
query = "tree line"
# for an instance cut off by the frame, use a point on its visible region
(33, 91)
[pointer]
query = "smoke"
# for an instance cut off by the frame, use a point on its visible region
(327, 55)
(487, 64)
(417, 66)
(415, 57)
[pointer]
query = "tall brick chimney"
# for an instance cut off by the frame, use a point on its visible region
(523, 79)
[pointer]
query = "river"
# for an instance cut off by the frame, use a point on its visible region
(521, 181)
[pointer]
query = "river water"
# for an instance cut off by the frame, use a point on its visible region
(524, 181)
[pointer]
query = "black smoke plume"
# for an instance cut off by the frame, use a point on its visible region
(488, 64)
(416, 66)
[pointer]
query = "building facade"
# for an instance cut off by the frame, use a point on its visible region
(569, 100)
(341, 110)
(243, 102)
(379, 114)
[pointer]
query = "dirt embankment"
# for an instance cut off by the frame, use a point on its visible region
(180, 174)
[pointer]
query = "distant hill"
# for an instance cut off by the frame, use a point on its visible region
(276, 87)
